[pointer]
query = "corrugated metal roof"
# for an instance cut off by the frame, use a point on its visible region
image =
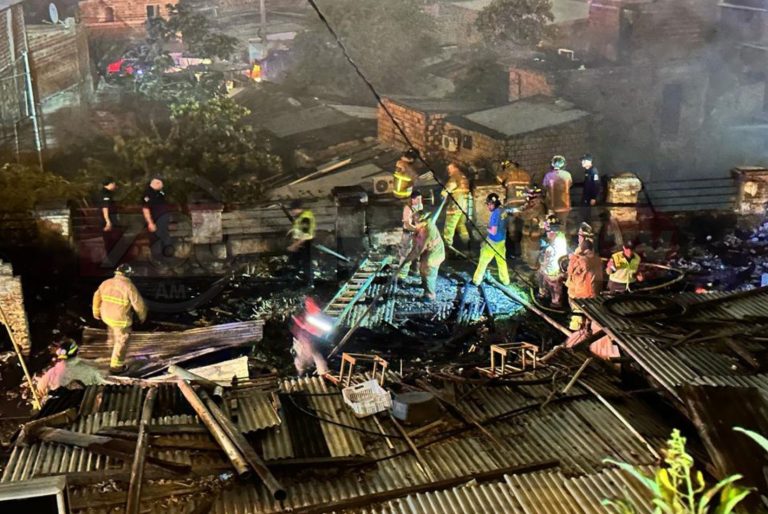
(684, 364)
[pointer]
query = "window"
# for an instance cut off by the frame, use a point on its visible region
(153, 11)
(109, 15)
(671, 107)
(466, 142)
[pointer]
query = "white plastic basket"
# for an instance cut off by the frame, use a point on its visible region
(367, 398)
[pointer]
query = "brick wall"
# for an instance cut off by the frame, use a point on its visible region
(533, 150)
(524, 83)
(119, 14)
(423, 129)
(18, 40)
(59, 60)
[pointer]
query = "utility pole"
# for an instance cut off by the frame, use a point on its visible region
(263, 12)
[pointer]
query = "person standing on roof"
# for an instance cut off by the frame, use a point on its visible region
(110, 233)
(593, 188)
(302, 236)
(557, 190)
(429, 249)
(310, 329)
(406, 175)
(494, 246)
(623, 269)
(69, 368)
(115, 302)
(411, 210)
(455, 212)
(550, 274)
(584, 279)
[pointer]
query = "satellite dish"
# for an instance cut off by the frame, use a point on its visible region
(53, 13)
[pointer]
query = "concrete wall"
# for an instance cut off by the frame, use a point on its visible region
(423, 129)
(455, 24)
(119, 15)
(524, 83)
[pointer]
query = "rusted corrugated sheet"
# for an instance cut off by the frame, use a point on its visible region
(496, 498)
(672, 367)
(255, 410)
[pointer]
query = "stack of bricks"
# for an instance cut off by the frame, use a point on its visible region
(622, 196)
(12, 305)
(423, 129)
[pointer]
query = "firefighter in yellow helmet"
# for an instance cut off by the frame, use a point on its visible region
(302, 235)
(115, 302)
(455, 217)
(69, 368)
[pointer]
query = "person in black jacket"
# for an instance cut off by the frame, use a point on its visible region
(592, 187)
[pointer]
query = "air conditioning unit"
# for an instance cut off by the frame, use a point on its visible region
(383, 184)
(451, 143)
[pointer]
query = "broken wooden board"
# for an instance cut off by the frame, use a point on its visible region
(154, 351)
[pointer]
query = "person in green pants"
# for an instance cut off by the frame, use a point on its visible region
(455, 217)
(429, 250)
(494, 246)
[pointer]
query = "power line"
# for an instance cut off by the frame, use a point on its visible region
(397, 125)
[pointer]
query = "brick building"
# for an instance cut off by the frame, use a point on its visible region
(528, 131)
(422, 119)
(121, 16)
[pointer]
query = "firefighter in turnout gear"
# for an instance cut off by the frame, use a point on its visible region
(69, 368)
(584, 278)
(429, 250)
(494, 246)
(532, 215)
(302, 235)
(623, 269)
(115, 302)
(411, 211)
(455, 217)
(406, 175)
(550, 274)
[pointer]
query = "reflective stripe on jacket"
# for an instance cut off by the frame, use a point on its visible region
(585, 275)
(116, 299)
(304, 226)
(626, 270)
(458, 186)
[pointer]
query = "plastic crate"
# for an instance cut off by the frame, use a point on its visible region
(367, 398)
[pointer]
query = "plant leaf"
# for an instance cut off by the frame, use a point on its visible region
(707, 497)
(632, 470)
(759, 439)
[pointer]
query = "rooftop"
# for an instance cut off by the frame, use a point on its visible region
(437, 105)
(520, 117)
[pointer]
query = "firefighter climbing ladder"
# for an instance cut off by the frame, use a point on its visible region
(355, 289)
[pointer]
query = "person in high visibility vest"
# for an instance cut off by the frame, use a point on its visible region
(494, 246)
(456, 209)
(115, 302)
(405, 175)
(302, 235)
(623, 269)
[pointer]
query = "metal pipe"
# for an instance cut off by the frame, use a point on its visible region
(137, 469)
(33, 110)
(245, 447)
(233, 454)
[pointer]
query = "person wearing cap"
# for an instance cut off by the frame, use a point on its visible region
(494, 246)
(115, 302)
(108, 219)
(455, 211)
(302, 235)
(69, 368)
(592, 186)
(429, 250)
(550, 274)
(584, 278)
(557, 190)
(411, 211)
(156, 211)
(623, 269)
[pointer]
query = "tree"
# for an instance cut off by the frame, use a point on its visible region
(387, 39)
(207, 144)
(22, 188)
(522, 22)
(483, 80)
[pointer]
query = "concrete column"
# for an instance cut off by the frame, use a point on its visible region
(206, 223)
(621, 197)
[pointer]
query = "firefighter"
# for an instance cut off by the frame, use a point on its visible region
(623, 269)
(550, 274)
(302, 235)
(557, 188)
(429, 249)
(515, 180)
(69, 368)
(494, 246)
(406, 175)
(115, 302)
(411, 211)
(532, 214)
(584, 279)
(455, 212)
(310, 329)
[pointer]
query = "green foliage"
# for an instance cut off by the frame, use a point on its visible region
(483, 80)
(206, 141)
(522, 22)
(678, 488)
(759, 439)
(388, 51)
(200, 40)
(22, 188)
